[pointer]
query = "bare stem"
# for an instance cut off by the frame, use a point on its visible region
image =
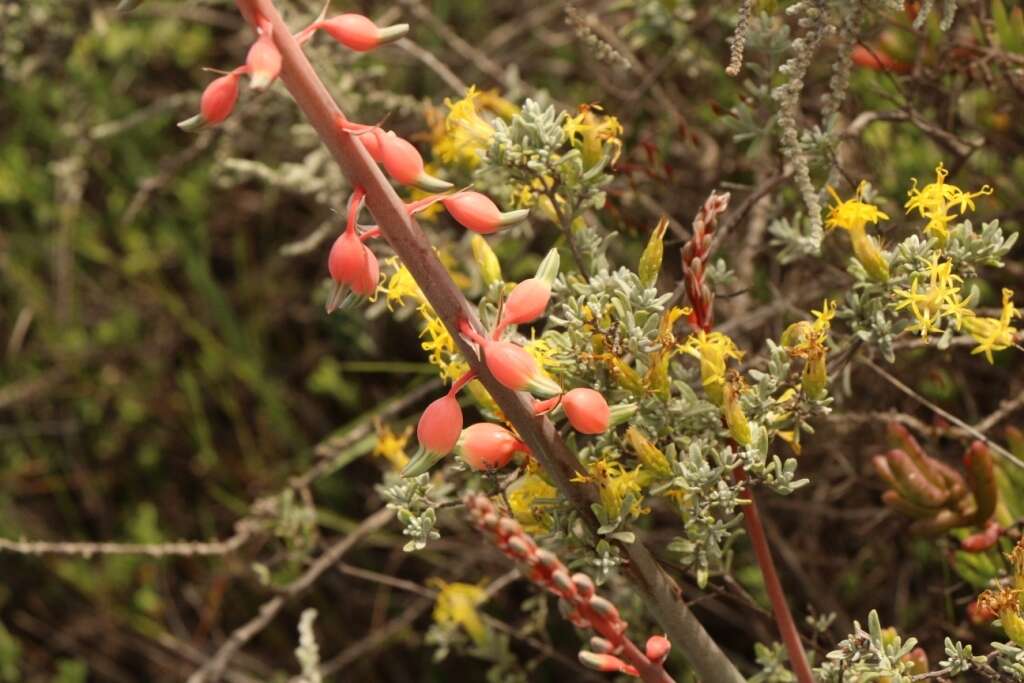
(660, 592)
(783, 617)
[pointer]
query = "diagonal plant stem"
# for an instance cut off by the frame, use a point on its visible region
(660, 593)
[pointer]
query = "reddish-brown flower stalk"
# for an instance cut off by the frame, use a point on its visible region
(578, 601)
(659, 592)
(696, 253)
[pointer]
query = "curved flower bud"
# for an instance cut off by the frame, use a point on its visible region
(587, 411)
(657, 648)
(486, 446)
(477, 212)
(526, 302)
(347, 258)
(219, 99)
(264, 61)
(358, 33)
(404, 163)
(438, 431)
(516, 369)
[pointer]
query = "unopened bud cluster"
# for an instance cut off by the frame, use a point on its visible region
(611, 650)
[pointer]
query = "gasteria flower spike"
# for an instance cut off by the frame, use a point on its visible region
(438, 431)
(485, 446)
(477, 212)
(263, 61)
(358, 33)
(587, 411)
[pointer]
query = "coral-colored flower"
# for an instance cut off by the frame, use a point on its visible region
(516, 369)
(404, 163)
(219, 99)
(587, 411)
(477, 212)
(657, 648)
(486, 446)
(358, 33)
(438, 431)
(264, 61)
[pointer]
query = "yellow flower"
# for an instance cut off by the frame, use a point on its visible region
(523, 495)
(401, 285)
(486, 260)
(713, 349)
(935, 201)
(649, 455)
(467, 134)
(1006, 603)
(853, 215)
(392, 446)
(614, 483)
(994, 334)
(457, 605)
(593, 134)
(735, 419)
(933, 303)
(543, 352)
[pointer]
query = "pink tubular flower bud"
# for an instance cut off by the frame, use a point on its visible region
(219, 99)
(404, 163)
(516, 369)
(364, 282)
(658, 648)
(438, 431)
(485, 446)
(264, 61)
(477, 212)
(358, 33)
(587, 411)
(347, 258)
(526, 302)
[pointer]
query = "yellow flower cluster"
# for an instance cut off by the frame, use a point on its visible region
(464, 135)
(457, 605)
(935, 301)
(437, 341)
(523, 496)
(391, 446)
(936, 200)
(614, 483)
(594, 134)
(713, 349)
(994, 334)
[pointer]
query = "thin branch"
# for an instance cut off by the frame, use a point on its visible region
(214, 668)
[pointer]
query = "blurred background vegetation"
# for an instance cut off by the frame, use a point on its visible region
(166, 361)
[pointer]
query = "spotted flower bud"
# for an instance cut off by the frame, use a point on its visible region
(477, 212)
(486, 446)
(358, 33)
(516, 369)
(438, 431)
(587, 411)
(264, 62)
